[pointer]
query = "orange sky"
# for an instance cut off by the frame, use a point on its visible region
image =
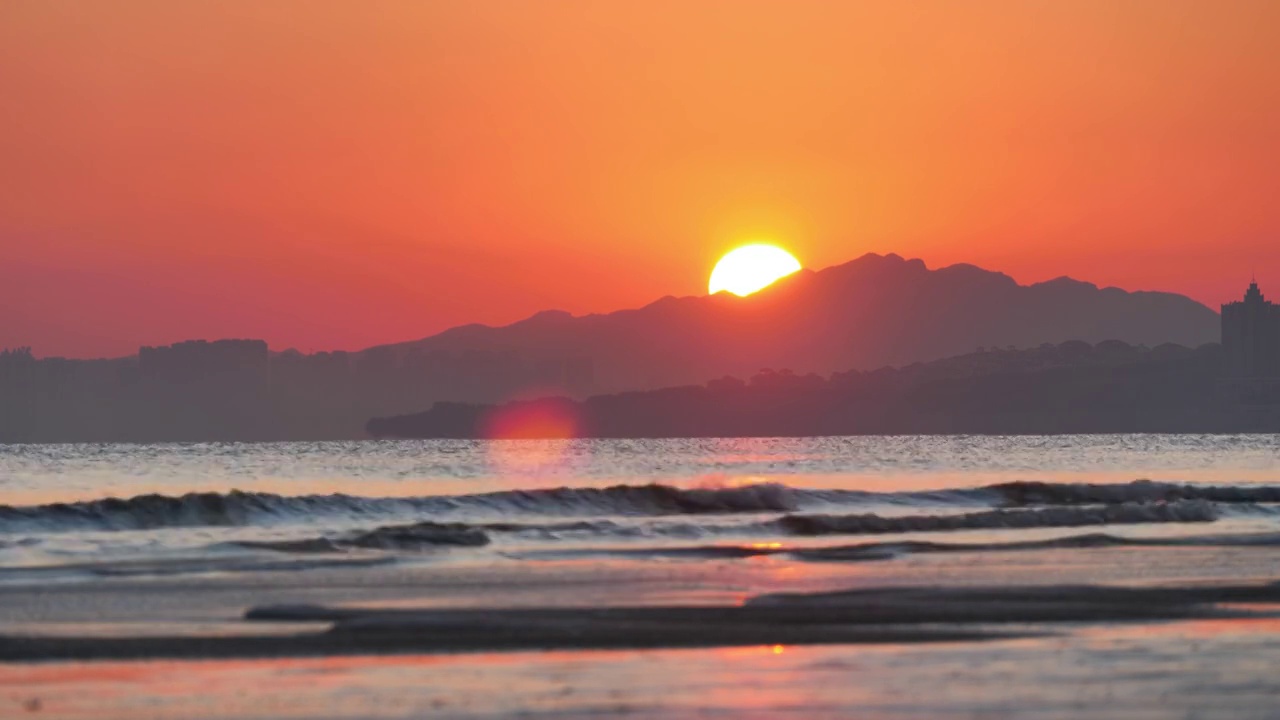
(333, 174)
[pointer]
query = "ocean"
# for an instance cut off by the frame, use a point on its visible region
(107, 545)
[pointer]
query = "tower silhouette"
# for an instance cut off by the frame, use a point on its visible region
(1251, 335)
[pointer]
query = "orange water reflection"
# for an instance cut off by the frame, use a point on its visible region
(508, 458)
(1202, 628)
(871, 681)
(304, 687)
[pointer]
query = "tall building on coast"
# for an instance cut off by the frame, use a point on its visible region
(1251, 336)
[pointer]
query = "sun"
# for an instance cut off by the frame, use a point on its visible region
(749, 268)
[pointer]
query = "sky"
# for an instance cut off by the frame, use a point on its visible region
(332, 174)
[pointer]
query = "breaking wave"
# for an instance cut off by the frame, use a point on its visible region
(430, 535)
(236, 508)
(998, 506)
(191, 510)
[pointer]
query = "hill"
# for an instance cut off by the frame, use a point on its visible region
(871, 312)
(1074, 387)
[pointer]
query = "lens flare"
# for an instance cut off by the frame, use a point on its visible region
(545, 419)
(535, 437)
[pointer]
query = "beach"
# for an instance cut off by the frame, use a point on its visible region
(1071, 576)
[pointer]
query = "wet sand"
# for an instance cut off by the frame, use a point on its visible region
(966, 632)
(879, 615)
(1210, 670)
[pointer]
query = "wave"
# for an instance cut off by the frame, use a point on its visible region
(651, 499)
(1025, 493)
(1187, 511)
(414, 536)
(143, 512)
(236, 508)
(881, 551)
(431, 535)
(868, 551)
(240, 508)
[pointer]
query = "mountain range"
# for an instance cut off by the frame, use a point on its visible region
(870, 313)
(1072, 387)
(877, 310)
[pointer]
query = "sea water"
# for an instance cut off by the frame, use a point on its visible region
(86, 506)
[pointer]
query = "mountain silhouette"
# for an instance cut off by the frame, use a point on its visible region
(875, 311)
(1072, 387)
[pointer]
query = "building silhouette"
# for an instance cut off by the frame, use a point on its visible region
(199, 359)
(1251, 336)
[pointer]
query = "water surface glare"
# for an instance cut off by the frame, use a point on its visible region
(32, 474)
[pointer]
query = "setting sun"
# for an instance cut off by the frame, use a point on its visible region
(749, 268)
